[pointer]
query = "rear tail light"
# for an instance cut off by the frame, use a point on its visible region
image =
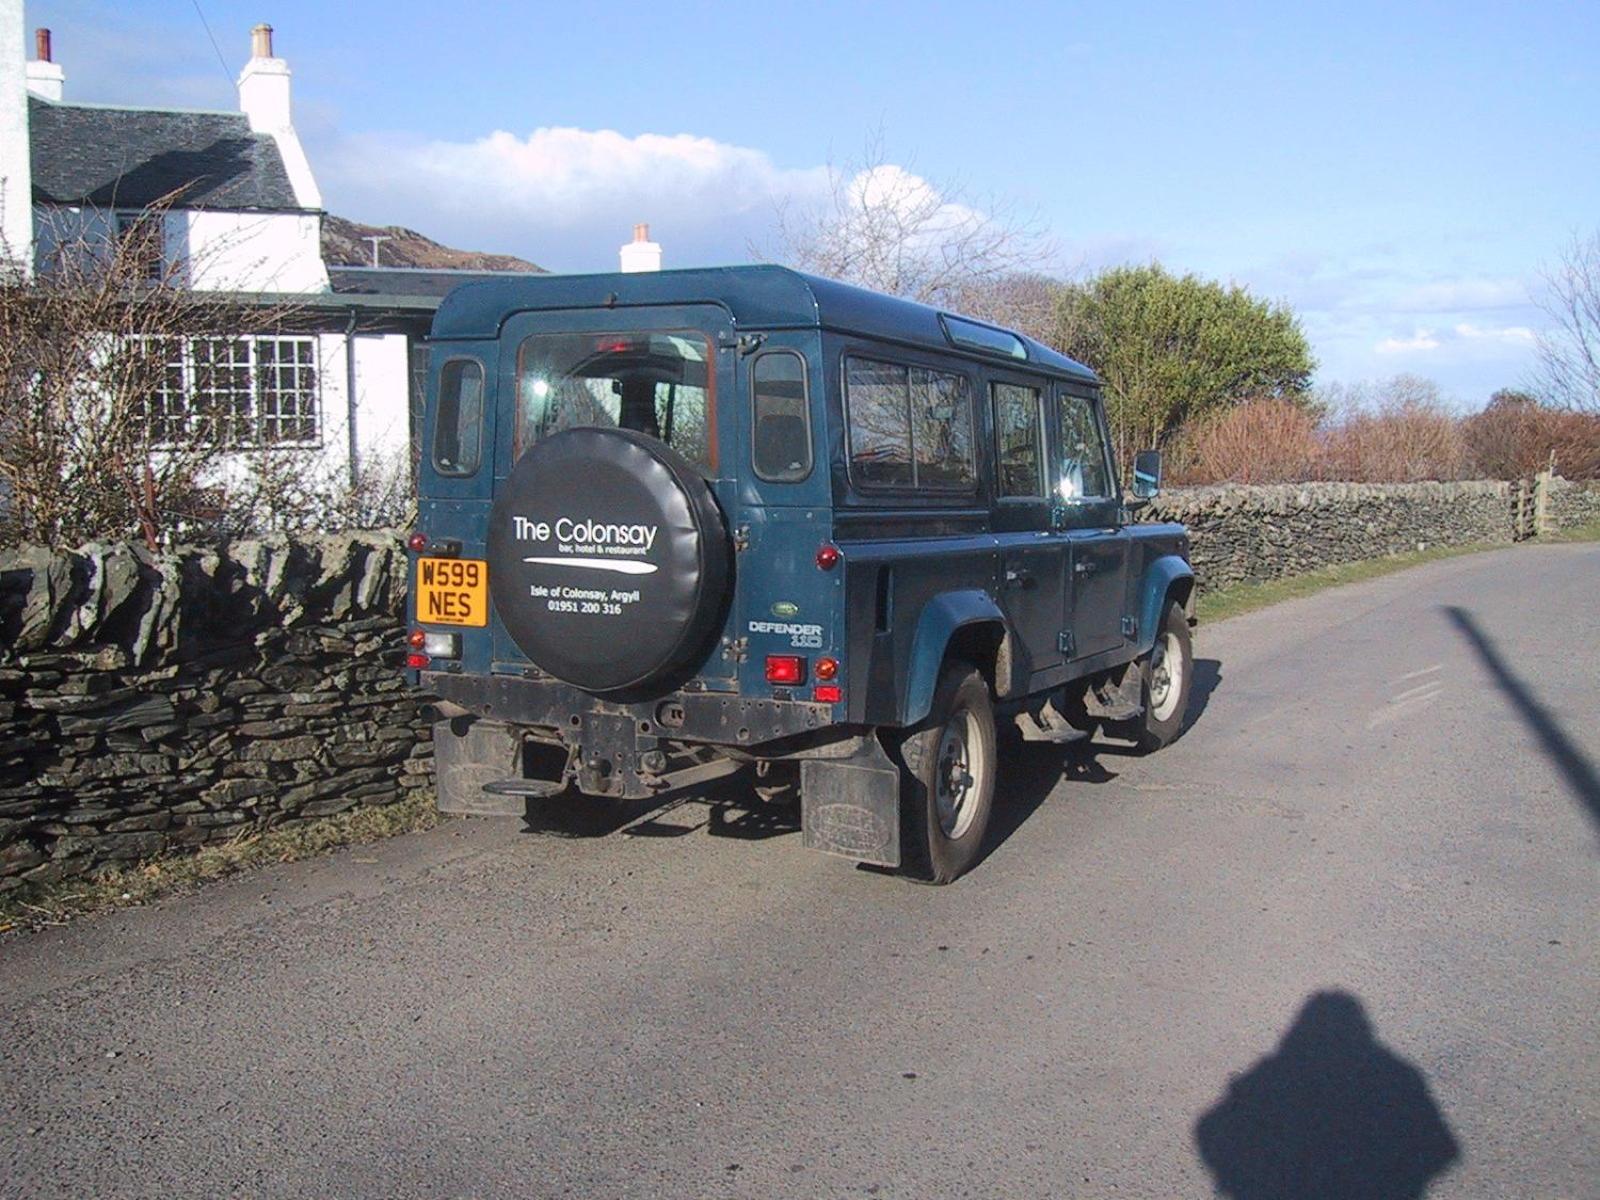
(827, 556)
(415, 661)
(786, 669)
(827, 668)
(417, 639)
(828, 693)
(417, 542)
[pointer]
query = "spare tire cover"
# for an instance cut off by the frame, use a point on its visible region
(608, 558)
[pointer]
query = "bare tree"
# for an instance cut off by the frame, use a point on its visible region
(884, 227)
(1569, 352)
(1027, 302)
(120, 389)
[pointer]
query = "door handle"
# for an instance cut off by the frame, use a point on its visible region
(1084, 566)
(1018, 578)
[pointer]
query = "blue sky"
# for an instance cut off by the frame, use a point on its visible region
(1398, 173)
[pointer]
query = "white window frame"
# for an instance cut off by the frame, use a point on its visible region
(268, 396)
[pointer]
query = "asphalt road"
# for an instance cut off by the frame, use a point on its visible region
(1340, 940)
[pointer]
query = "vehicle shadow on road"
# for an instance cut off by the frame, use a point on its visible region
(1207, 679)
(1578, 772)
(1029, 773)
(1330, 1114)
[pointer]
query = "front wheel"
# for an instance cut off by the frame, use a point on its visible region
(949, 779)
(1168, 672)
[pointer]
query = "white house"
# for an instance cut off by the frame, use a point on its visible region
(240, 213)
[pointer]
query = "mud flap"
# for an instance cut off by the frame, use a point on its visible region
(467, 756)
(851, 806)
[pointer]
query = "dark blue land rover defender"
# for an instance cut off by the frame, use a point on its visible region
(678, 524)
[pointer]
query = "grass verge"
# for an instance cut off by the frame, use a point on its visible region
(123, 887)
(1247, 597)
(1578, 533)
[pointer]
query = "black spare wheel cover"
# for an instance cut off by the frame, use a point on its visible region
(608, 558)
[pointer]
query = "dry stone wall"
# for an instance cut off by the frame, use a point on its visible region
(1241, 534)
(150, 703)
(1572, 503)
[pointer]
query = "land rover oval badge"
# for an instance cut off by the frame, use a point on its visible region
(784, 608)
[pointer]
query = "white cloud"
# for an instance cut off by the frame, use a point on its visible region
(1422, 340)
(566, 197)
(1513, 335)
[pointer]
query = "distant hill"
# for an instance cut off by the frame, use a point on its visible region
(344, 245)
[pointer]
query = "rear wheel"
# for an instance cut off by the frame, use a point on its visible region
(948, 788)
(1168, 672)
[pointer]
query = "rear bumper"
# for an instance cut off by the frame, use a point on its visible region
(708, 717)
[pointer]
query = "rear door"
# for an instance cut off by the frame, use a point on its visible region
(666, 371)
(1087, 509)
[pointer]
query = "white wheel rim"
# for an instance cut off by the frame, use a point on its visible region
(1166, 677)
(959, 769)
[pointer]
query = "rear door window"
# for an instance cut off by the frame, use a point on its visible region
(660, 384)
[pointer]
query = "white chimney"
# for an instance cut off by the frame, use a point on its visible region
(264, 85)
(16, 164)
(264, 99)
(641, 254)
(45, 76)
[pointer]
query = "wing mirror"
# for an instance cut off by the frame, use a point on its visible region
(1147, 474)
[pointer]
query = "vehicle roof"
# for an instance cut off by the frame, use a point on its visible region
(756, 296)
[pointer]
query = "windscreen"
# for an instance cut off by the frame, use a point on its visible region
(660, 384)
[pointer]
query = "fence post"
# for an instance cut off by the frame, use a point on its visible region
(1519, 510)
(1543, 522)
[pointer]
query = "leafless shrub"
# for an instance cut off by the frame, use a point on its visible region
(95, 441)
(1403, 434)
(296, 491)
(1516, 436)
(1270, 440)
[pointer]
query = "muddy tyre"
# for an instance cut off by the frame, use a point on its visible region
(1167, 673)
(947, 789)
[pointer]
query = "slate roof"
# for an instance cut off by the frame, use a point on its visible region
(110, 157)
(434, 284)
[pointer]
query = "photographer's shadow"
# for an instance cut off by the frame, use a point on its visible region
(1330, 1115)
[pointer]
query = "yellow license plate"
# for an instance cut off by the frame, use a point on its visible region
(452, 591)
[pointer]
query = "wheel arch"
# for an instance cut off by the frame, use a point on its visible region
(965, 624)
(1167, 578)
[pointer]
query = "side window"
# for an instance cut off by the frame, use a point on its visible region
(909, 426)
(781, 431)
(1019, 458)
(1083, 452)
(458, 426)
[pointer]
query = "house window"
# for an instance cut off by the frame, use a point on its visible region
(140, 250)
(241, 391)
